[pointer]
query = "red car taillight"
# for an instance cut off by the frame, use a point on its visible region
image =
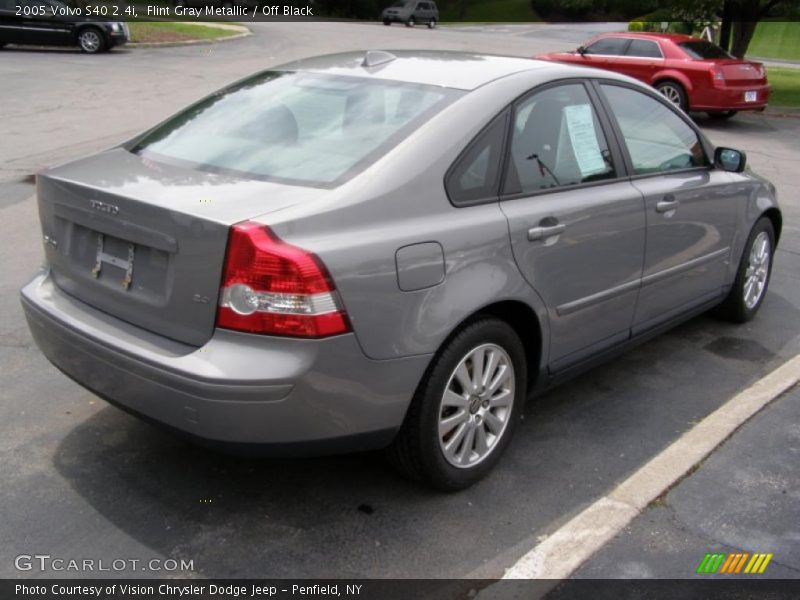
(717, 76)
(272, 287)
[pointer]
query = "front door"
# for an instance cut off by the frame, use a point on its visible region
(577, 227)
(690, 218)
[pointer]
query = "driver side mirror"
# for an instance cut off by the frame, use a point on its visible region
(729, 159)
(581, 50)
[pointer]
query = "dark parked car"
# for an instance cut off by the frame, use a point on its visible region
(349, 252)
(411, 12)
(54, 23)
(690, 72)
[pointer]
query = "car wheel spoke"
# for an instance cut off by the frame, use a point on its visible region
(447, 425)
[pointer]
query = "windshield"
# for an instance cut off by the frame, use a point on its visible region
(703, 50)
(298, 128)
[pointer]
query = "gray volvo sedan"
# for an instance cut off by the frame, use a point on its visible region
(390, 250)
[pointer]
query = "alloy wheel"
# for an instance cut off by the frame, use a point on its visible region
(90, 41)
(757, 272)
(476, 406)
(671, 93)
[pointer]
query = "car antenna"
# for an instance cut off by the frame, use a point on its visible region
(373, 58)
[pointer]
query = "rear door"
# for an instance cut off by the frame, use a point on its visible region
(642, 59)
(577, 225)
(690, 218)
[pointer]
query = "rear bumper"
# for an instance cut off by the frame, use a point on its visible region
(731, 98)
(285, 395)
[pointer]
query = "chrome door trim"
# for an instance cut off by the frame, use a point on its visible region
(677, 269)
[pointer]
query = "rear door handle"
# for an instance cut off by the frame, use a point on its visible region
(666, 205)
(542, 233)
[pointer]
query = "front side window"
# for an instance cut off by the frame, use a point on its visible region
(556, 141)
(644, 49)
(657, 139)
(298, 128)
(607, 46)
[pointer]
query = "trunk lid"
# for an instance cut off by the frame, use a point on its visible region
(741, 72)
(145, 241)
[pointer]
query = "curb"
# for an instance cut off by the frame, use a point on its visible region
(244, 32)
(566, 549)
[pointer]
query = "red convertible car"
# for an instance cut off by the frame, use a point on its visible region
(691, 72)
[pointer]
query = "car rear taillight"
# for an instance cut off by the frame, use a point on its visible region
(272, 287)
(717, 76)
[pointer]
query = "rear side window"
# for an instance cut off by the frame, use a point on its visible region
(557, 141)
(657, 139)
(703, 50)
(298, 128)
(475, 175)
(643, 49)
(608, 46)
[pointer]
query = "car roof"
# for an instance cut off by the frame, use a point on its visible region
(459, 70)
(673, 37)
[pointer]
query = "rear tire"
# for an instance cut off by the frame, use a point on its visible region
(674, 92)
(91, 40)
(727, 114)
(432, 24)
(752, 278)
(455, 433)
(387, 23)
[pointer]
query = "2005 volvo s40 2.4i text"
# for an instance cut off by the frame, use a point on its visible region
(390, 250)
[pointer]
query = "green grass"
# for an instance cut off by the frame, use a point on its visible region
(785, 86)
(175, 32)
(492, 11)
(776, 39)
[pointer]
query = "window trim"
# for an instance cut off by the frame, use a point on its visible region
(620, 138)
(616, 155)
(654, 42)
(625, 43)
(493, 197)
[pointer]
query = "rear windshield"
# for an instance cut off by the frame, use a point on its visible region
(300, 128)
(703, 50)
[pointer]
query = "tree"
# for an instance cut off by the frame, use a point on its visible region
(738, 18)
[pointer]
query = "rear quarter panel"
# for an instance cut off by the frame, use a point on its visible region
(401, 200)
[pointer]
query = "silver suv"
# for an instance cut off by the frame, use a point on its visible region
(411, 12)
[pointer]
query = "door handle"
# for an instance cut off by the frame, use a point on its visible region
(667, 204)
(542, 233)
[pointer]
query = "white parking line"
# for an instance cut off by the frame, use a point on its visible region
(572, 544)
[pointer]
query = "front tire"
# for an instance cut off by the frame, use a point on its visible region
(674, 92)
(432, 24)
(91, 40)
(412, 22)
(752, 278)
(387, 23)
(465, 410)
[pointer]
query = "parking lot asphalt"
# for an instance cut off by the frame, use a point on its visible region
(743, 499)
(84, 480)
